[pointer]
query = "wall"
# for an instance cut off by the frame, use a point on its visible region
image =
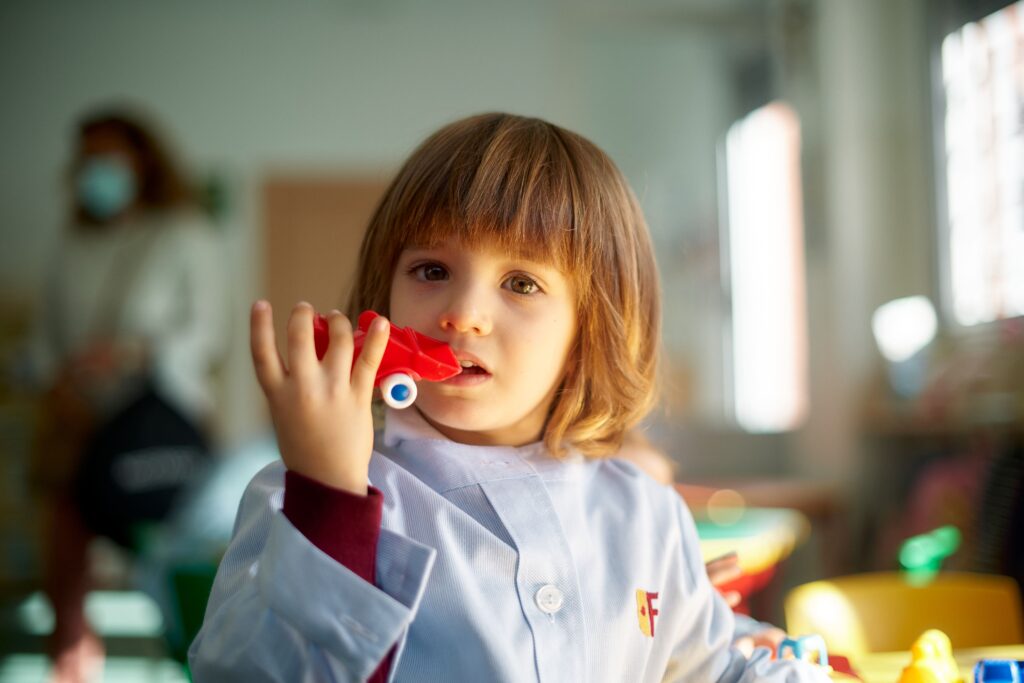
(248, 87)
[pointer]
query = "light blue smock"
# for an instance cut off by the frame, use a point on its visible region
(493, 564)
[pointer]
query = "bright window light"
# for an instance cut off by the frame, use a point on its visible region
(983, 77)
(903, 327)
(766, 265)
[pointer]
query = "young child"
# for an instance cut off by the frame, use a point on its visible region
(481, 536)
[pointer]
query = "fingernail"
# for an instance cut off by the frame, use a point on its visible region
(260, 305)
(380, 324)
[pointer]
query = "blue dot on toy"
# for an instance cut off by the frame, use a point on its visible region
(400, 392)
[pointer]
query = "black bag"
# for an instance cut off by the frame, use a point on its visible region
(135, 465)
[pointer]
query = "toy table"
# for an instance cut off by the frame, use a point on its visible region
(885, 667)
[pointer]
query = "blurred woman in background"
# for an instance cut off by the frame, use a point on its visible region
(131, 322)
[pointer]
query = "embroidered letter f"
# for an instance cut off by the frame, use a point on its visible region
(646, 611)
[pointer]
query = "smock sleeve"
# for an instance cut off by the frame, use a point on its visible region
(703, 651)
(283, 610)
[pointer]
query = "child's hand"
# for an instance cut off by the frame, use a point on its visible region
(767, 637)
(320, 409)
(721, 571)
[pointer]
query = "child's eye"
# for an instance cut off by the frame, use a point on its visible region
(429, 272)
(521, 284)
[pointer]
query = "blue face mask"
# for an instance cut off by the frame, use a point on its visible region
(105, 187)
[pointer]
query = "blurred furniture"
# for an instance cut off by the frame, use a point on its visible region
(19, 411)
(190, 586)
(946, 454)
(313, 224)
(819, 523)
(887, 611)
(821, 503)
(761, 537)
(184, 555)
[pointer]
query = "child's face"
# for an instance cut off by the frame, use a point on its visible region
(514, 318)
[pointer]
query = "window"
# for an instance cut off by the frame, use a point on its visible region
(765, 242)
(983, 83)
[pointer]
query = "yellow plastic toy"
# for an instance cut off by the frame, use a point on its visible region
(885, 611)
(931, 660)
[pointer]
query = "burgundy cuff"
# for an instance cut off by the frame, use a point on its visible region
(342, 524)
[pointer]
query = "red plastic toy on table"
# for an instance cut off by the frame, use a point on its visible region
(409, 357)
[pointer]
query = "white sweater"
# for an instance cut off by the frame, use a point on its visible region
(160, 281)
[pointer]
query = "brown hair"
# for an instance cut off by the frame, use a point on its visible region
(162, 184)
(542, 192)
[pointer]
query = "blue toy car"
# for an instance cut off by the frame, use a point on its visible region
(997, 671)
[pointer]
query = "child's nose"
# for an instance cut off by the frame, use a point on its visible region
(466, 315)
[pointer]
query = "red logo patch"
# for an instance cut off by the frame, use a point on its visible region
(646, 611)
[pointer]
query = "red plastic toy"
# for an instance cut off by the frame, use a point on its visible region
(408, 358)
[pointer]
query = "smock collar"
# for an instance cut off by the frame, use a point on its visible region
(443, 464)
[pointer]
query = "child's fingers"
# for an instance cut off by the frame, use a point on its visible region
(364, 371)
(265, 357)
(338, 359)
(724, 569)
(744, 645)
(301, 354)
(769, 637)
(729, 558)
(732, 598)
(724, 575)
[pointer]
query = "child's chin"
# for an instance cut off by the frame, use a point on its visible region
(453, 413)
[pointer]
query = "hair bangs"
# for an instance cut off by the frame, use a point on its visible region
(517, 194)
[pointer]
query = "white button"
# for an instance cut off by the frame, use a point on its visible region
(549, 599)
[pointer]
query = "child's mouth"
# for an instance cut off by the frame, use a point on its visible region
(472, 374)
